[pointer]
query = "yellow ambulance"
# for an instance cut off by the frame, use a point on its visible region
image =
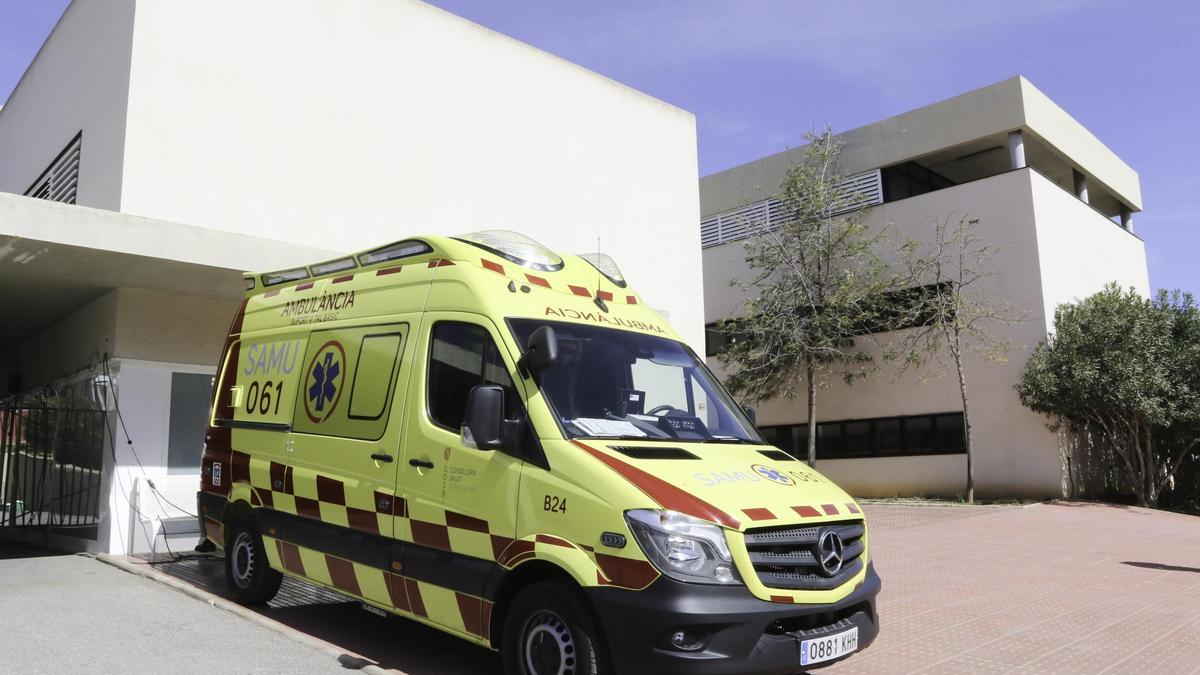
(509, 445)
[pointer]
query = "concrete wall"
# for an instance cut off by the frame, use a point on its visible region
(75, 342)
(1079, 250)
(1016, 454)
(79, 81)
(343, 125)
(157, 326)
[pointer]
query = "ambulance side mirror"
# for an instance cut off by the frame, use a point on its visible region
(540, 353)
(483, 424)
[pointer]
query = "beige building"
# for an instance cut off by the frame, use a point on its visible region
(155, 149)
(1056, 201)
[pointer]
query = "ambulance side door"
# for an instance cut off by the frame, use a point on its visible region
(344, 451)
(461, 501)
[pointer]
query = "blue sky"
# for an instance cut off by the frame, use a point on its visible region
(758, 73)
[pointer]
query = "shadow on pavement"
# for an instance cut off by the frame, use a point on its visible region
(392, 642)
(12, 550)
(1160, 566)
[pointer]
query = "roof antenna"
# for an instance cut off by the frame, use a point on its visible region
(599, 301)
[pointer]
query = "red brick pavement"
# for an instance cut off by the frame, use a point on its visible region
(1050, 588)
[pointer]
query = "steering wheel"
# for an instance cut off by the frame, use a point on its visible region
(662, 409)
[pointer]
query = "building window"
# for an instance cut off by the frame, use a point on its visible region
(909, 180)
(895, 310)
(191, 394)
(940, 434)
(60, 181)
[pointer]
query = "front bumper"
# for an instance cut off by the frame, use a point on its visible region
(742, 634)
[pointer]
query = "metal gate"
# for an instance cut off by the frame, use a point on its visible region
(52, 458)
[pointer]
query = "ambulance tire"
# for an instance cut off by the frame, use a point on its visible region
(247, 571)
(550, 629)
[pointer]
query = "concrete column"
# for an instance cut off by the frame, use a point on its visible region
(1080, 186)
(1126, 218)
(1016, 149)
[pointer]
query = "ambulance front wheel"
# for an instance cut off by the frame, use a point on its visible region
(549, 630)
(247, 572)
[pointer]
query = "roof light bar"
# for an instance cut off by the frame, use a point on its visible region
(321, 269)
(284, 276)
(606, 266)
(401, 249)
(515, 248)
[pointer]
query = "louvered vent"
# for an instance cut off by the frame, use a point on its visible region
(60, 181)
(861, 190)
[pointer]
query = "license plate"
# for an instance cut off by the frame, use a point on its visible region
(828, 647)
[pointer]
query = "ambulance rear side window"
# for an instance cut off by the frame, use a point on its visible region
(372, 376)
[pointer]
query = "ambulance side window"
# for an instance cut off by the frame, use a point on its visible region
(373, 376)
(462, 355)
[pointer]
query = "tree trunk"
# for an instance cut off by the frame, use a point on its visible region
(1151, 467)
(962, 391)
(810, 372)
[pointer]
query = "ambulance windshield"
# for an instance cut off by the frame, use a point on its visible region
(610, 383)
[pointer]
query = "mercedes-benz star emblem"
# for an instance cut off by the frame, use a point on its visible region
(829, 553)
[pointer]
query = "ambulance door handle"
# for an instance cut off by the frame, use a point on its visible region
(381, 457)
(421, 463)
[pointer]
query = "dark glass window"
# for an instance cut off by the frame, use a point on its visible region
(909, 180)
(857, 438)
(950, 433)
(829, 438)
(190, 397)
(918, 435)
(463, 355)
(719, 335)
(889, 437)
(714, 340)
(780, 437)
(882, 437)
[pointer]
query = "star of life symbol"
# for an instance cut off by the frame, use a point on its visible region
(323, 388)
(324, 381)
(772, 474)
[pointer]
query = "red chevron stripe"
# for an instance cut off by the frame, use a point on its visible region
(667, 495)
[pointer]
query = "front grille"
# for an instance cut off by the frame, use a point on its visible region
(785, 557)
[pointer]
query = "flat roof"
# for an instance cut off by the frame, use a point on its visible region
(986, 113)
(56, 258)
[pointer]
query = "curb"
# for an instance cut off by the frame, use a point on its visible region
(348, 660)
(940, 504)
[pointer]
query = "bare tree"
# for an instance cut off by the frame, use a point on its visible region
(814, 286)
(947, 308)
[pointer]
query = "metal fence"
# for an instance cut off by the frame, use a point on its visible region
(52, 458)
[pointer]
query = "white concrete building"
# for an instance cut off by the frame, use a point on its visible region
(189, 141)
(1048, 192)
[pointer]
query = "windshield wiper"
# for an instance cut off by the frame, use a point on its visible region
(723, 439)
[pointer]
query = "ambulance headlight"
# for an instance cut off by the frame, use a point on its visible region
(682, 547)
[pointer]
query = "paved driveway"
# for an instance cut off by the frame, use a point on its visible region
(73, 614)
(1050, 588)
(1060, 588)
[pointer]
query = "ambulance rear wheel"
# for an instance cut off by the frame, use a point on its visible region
(247, 572)
(549, 630)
